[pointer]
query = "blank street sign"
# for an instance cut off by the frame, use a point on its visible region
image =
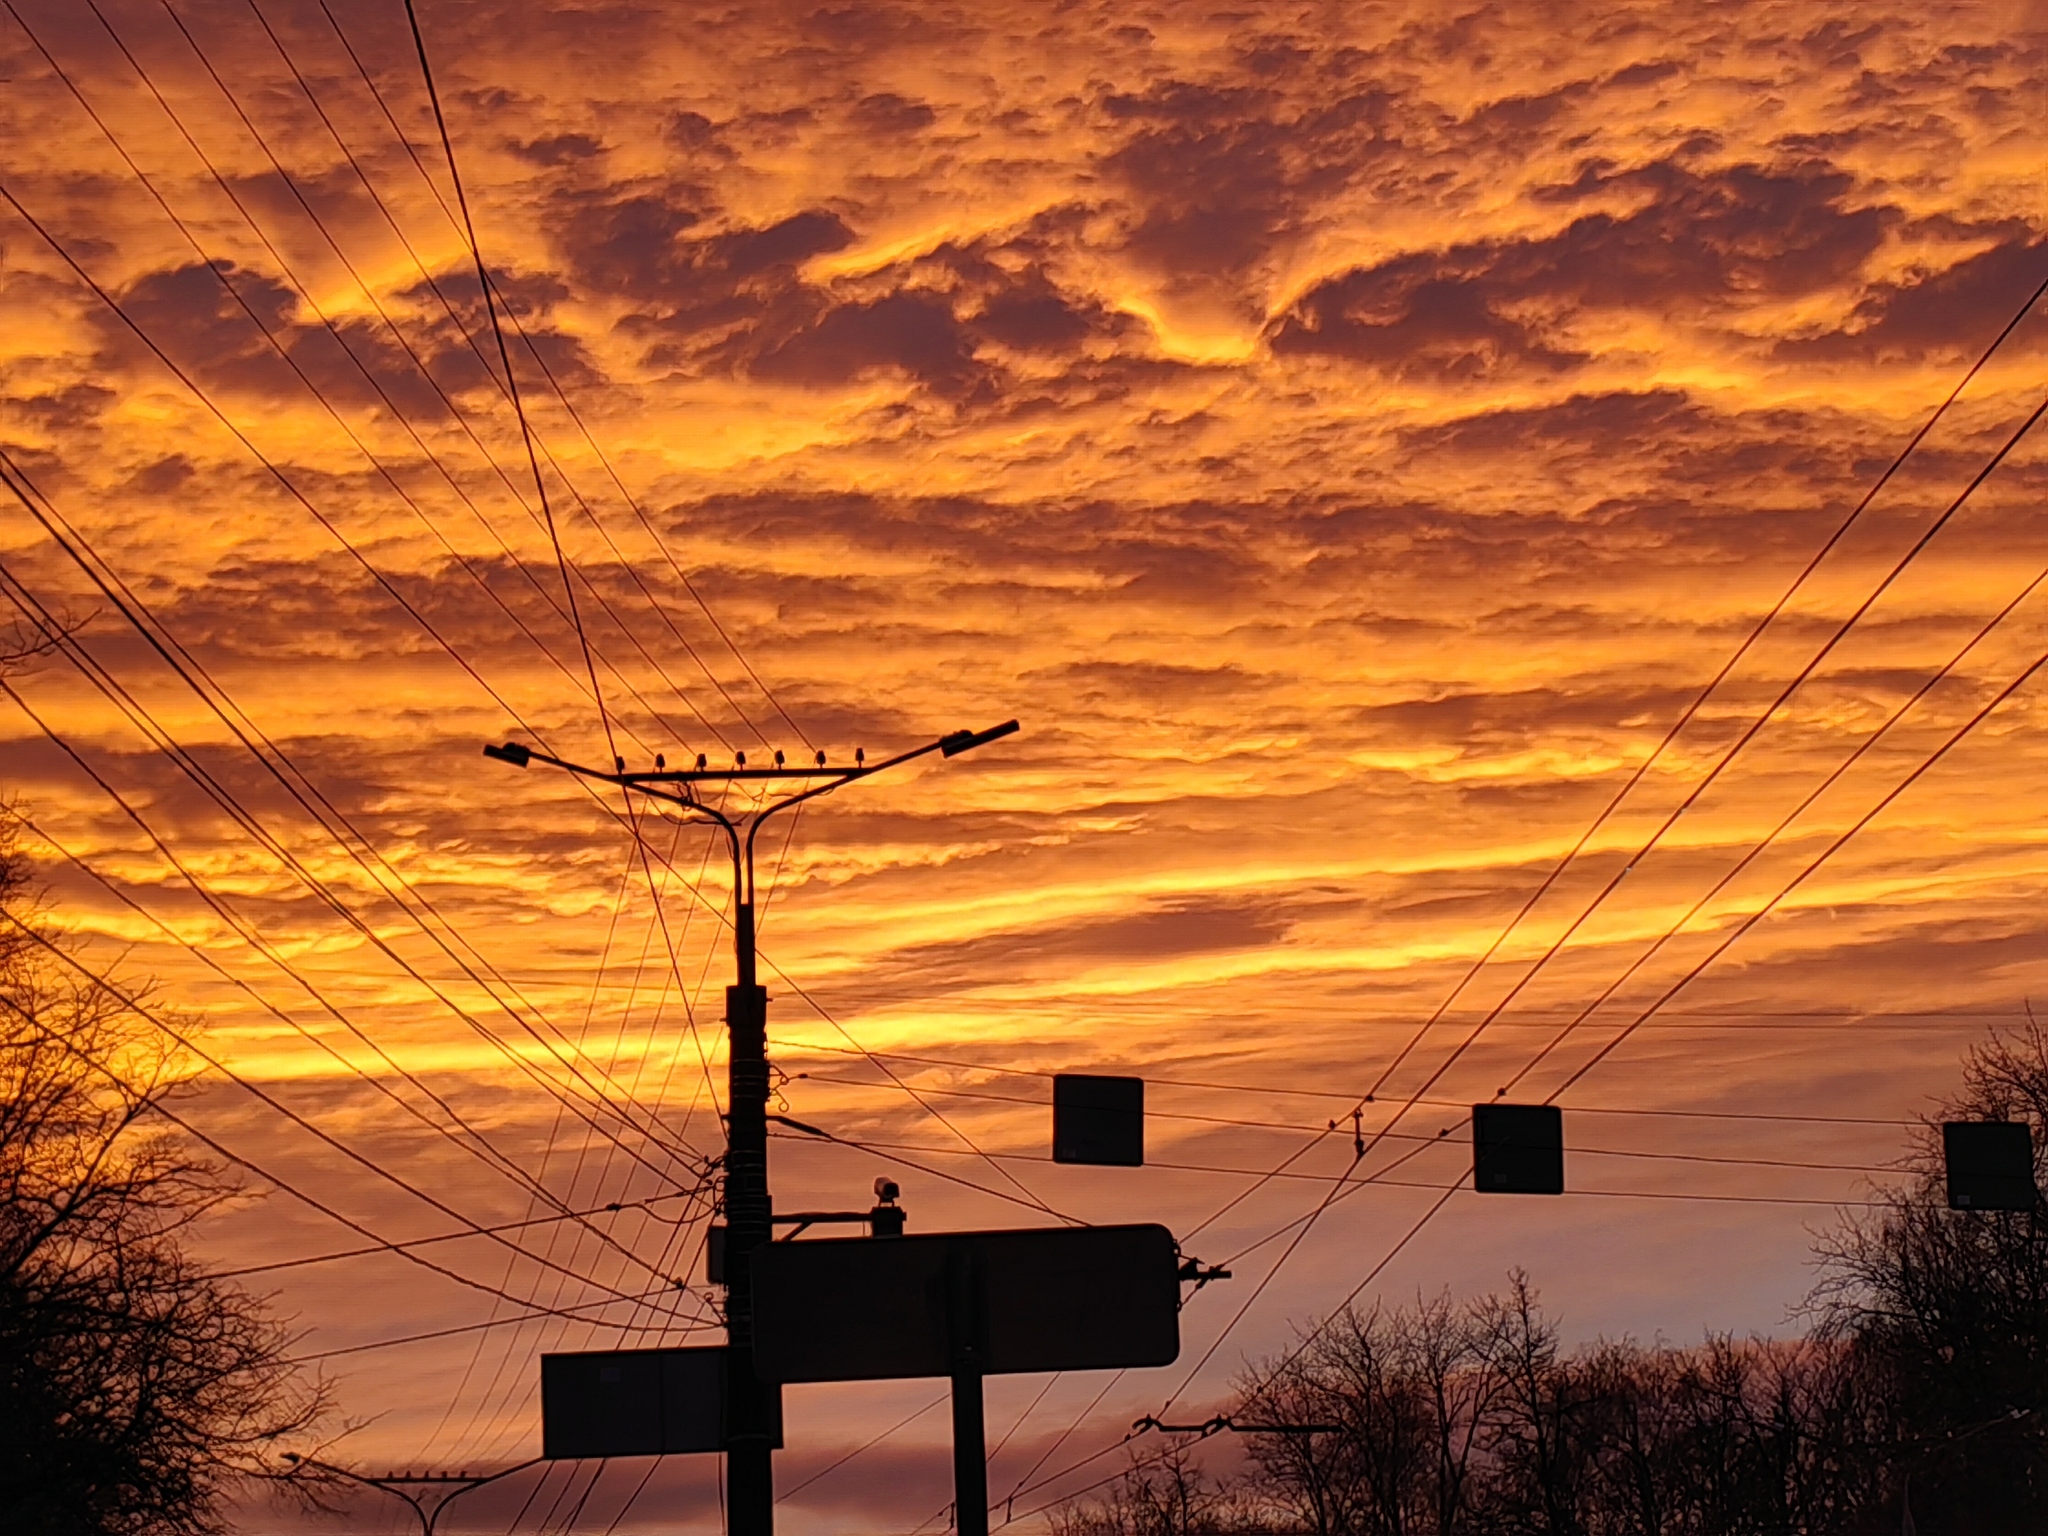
(1518, 1149)
(1040, 1299)
(635, 1402)
(1990, 1165)
(1098, 1120)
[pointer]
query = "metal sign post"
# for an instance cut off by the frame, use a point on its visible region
(967, 1331)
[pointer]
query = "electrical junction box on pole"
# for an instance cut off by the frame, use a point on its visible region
(1041, 1299)
(1518, 1149)
(1990, 1165)
(636, 1402)
(1098, 1120)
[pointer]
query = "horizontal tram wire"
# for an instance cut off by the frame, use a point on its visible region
(867, 1144)
(611, 1207)
(873, 1149)
(1336, 1095)
(1291, 1125)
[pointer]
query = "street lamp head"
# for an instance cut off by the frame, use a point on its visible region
(512, 753)
(962, 741)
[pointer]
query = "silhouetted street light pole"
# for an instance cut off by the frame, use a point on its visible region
(749, 1214)
(450, 1486)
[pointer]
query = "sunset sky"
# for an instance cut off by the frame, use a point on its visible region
(1347, 437)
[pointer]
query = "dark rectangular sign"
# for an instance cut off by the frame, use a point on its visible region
(1518, 1149)
(1990, 1165)
(1098, 1120)
(634, 1402)
(993, 1303)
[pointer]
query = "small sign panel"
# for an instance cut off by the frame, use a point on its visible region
(1098, 1120)
(1518, 1149)
(635, 1402)
(1047, 1299)
(1990, 1165)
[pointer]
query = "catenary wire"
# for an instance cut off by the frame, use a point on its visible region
(575, 1312)
(1346, 1096)
(1291, 1125)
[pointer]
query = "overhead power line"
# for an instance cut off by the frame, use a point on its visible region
(1713, 684)
(238, 1159)
(530, 1314)
(1339, 1189)
(493, 1228)
(1869, 742)
(1322, 1093)
(222, 273)
(483, 278)
(184, 1040)
(350, 838)
(539, 360)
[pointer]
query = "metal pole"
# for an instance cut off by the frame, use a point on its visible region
(750, 1472)
(970, 1456)
(967, 1344)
